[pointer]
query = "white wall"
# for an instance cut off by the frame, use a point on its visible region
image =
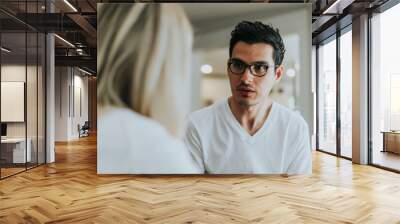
(61, 103)
(16, 72)
(70, 83)
(79, 117)
(214, 89)
(12, 100)
(195, 78)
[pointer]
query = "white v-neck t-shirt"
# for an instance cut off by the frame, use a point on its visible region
(219, 144)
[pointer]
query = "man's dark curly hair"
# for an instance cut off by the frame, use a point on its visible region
(258, 32)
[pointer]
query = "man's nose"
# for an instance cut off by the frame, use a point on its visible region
(247, 76)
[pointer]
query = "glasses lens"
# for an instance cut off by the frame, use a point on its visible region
(259, 69)
(237, 67)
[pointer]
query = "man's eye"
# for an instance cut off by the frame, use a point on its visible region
(260, 67)
(238, 65)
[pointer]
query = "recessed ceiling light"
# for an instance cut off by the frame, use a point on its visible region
(70, 5)
(332, 7)
(291, 72)
(84, 71)
(206, 69)
(64, 40)
(5, 50)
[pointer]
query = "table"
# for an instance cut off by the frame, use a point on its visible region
(13, 150)
(391, 141)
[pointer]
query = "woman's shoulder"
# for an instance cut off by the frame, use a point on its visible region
(127, 120)
(119, 113)
(134, 128)
(131, 129)
(142, 142)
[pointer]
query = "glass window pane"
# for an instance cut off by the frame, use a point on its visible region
(41, 99)
(32, 88)
(327, 97)
(386, 89)
(14, 151)
(22, 90)
(346, 94)
(31, 97)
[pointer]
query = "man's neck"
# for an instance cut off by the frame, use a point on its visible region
(251, 118)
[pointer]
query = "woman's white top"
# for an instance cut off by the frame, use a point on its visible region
(130, 143)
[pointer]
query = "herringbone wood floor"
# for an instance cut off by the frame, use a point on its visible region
(70, 191)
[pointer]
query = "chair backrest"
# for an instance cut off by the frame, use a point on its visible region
(86, 124)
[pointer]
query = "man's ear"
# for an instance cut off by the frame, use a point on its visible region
(279, 72)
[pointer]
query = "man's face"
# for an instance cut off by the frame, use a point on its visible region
(247, 89)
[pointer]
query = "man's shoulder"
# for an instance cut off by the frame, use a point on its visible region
(206, 114)
(293, 118)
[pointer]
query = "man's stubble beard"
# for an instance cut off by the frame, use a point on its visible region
(247, 103)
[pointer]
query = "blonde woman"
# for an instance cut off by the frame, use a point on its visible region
(143, 74)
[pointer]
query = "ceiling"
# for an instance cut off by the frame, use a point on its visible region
(200, 12)
(80, 27)
(210, 18)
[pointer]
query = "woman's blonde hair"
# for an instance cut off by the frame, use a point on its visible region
(144, 60)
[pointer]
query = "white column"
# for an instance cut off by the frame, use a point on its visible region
(314, 90)
(50, 99)
(305, 95)
(50, 92)
(360, 90)
(62, 103)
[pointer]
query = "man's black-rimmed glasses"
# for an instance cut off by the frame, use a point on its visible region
(238, 67)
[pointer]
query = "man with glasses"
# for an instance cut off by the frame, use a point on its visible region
(248, 132)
